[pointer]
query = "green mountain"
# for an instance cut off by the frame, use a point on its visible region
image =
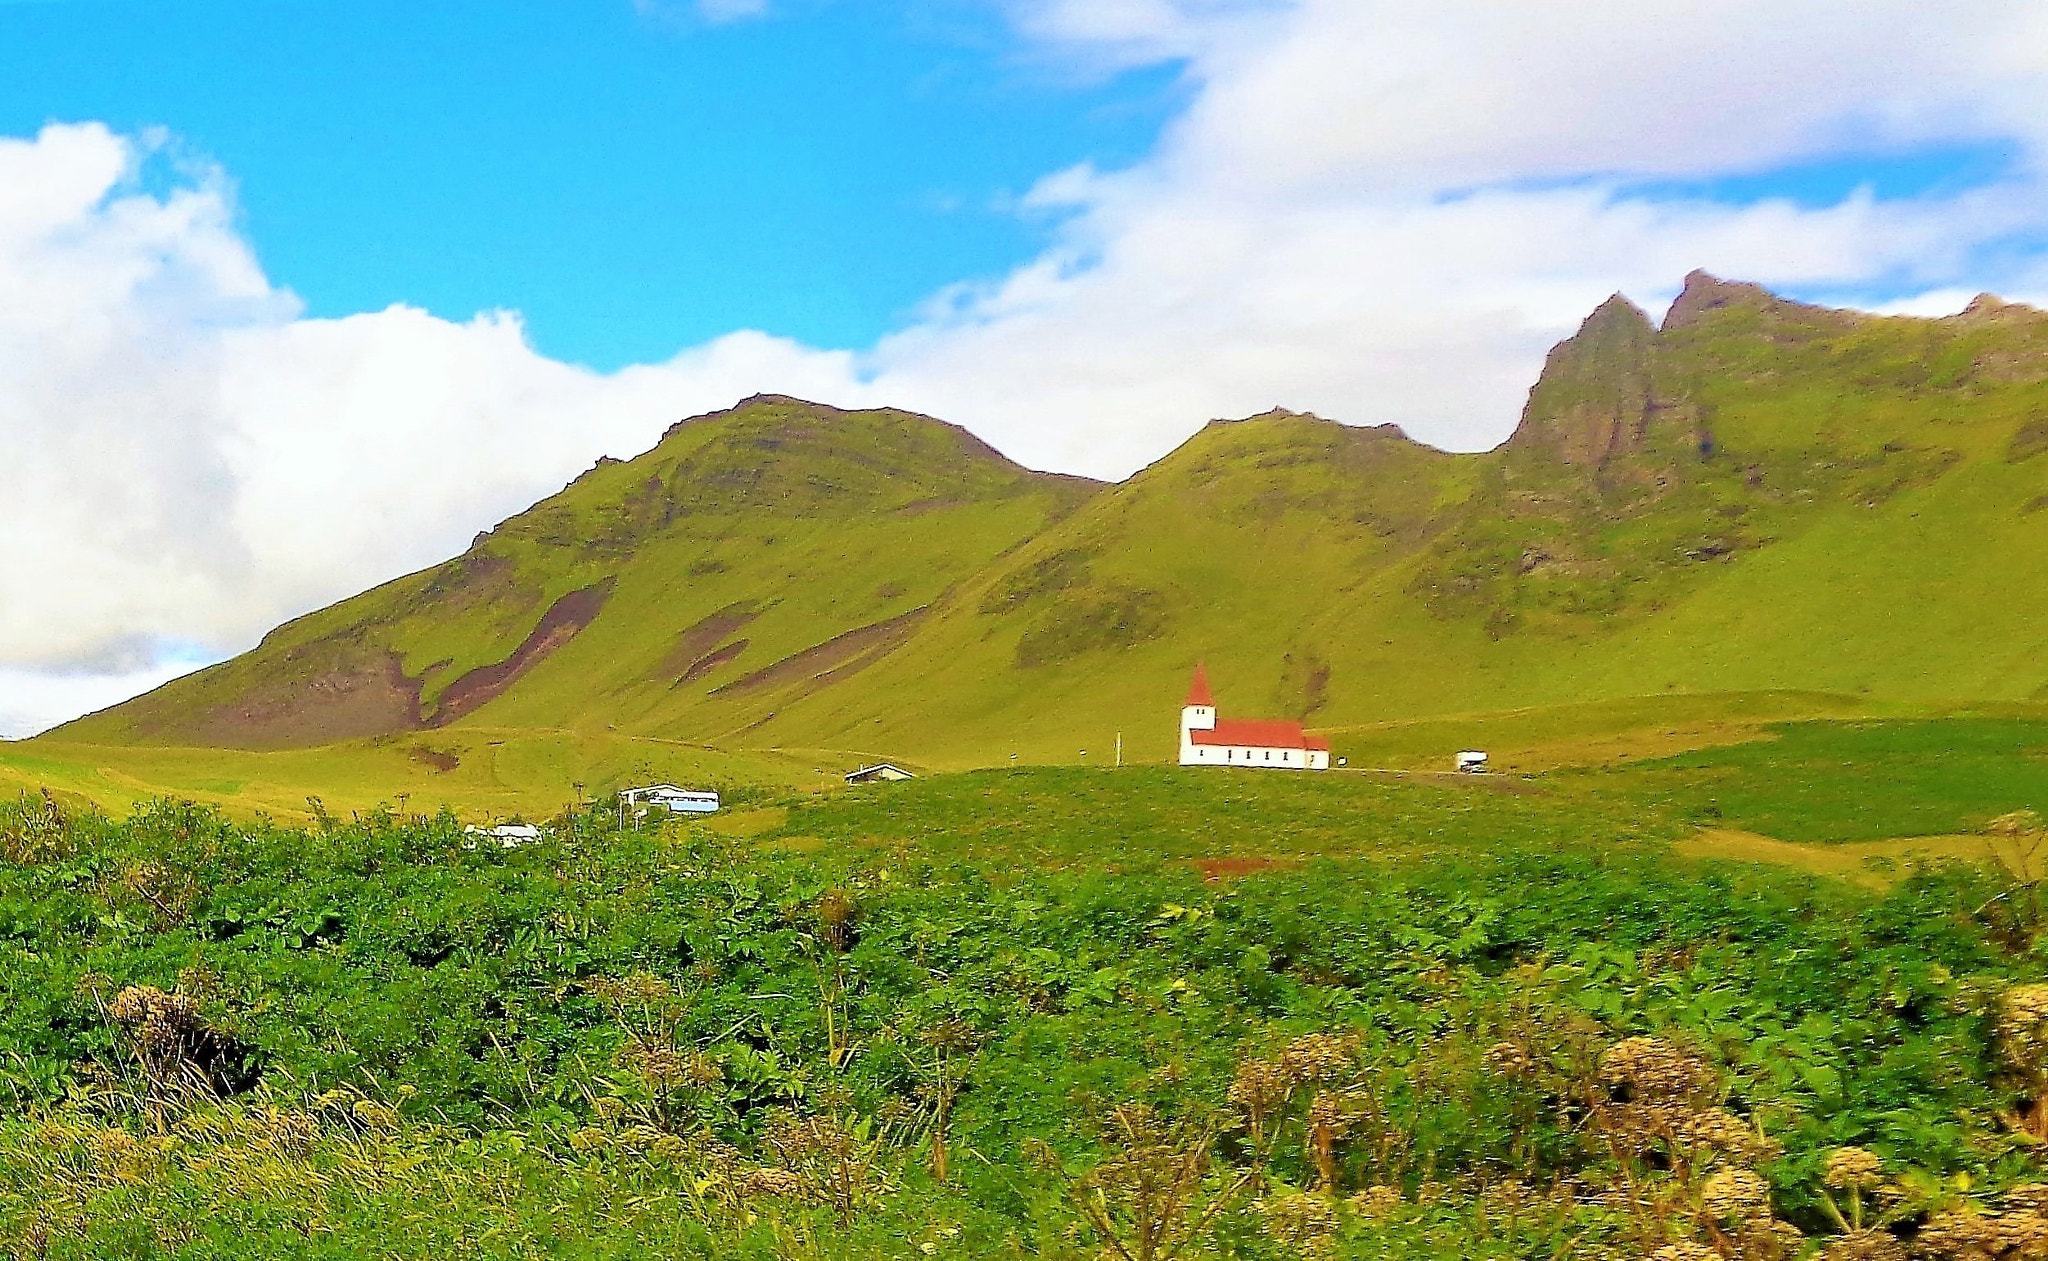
(1758, 497)
(775, 544)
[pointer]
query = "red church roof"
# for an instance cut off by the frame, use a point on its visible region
(1198, 688)
(1259, 733)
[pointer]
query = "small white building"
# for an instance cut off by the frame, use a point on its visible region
(671, 798)
(1472, 762)
(880, 772)
(507, 835)
(1271, 743)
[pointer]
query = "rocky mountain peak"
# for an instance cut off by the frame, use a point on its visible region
(1988, 308)
(1593, 401)
(1704, 292)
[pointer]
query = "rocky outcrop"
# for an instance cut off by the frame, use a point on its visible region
(1603, 409)
(1705, 294)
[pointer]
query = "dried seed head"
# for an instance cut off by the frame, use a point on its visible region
(2022, 1234)
(837, 913)
(1864, 1245)
(1735, 1195)
(701, 1072)
(160, 1023)
(770, 1182)
(1326, 1115)
(642, 989)
(1653, 1069)
(658, 1063)
(2018, 823)
(2022, 1027)
(1768, 1237)
(1317, 1057)
(1259, 1087)
(2031, 1197)
(1719, 1130)
(1959, 1232)
(1853, 1169)
(950, 1036)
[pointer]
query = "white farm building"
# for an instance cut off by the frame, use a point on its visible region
(1274, 743)
(671, 798)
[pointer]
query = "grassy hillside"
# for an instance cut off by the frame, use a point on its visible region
(670, 596)
(1757, 510)
(1759, 498)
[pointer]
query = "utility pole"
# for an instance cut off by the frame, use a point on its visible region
(1119, 748)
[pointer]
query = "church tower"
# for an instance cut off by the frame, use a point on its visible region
(1198, 713)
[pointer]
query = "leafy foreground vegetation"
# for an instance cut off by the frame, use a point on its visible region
(382, 1037)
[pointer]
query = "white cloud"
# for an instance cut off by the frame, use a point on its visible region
(1388, 211)
(1373, 210)
(36, 700)
(1109, 33)
(190, 461)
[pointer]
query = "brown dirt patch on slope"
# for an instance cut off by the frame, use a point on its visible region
(346, 691)
(439, 760)
(837, 658)
(565, 619)
(704, 638)
(710, 661)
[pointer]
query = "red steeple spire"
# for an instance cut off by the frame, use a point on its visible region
(1198, 688)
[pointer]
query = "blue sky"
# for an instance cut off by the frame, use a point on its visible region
(631, 181)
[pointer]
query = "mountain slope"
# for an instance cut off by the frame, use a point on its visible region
(1756, 495)
(742, 542)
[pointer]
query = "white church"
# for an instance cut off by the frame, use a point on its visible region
(1275, 743)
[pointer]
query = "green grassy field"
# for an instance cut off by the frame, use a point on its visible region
(1139, 817)
(1859, 781)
